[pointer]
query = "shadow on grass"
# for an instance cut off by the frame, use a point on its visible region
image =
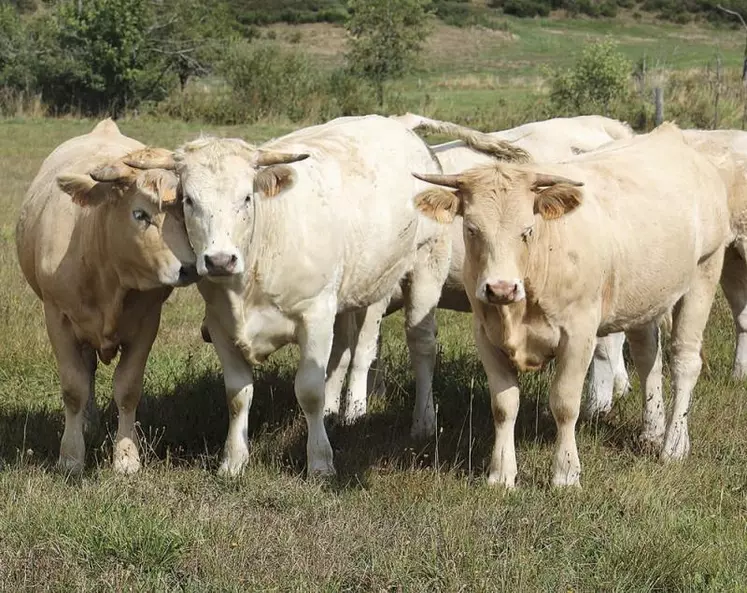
(183, 418)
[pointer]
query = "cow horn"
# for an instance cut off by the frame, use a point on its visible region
(445, 180)
(118, 171)
(265, 158)
(151, 158)
(542, 180)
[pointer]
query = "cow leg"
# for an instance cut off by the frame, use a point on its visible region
(315, 343)
(76, 380)
(239, 383)
(128, 388)
(608, 375)
(504, 401)
(645, 347)
(368, 323)
(421, 296)
(573, 357)
(734, 283)
(688, 322)
(339, 361)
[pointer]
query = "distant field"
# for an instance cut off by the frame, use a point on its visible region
(478, 69)
(401, 516)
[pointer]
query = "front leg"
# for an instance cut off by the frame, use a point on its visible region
(128, 388)
(572, 358)
(239, 383)
(76, 364)
(315, 343)
(504, 401)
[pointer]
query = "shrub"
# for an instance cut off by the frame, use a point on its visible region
(600, 76)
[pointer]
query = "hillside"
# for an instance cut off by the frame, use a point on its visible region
(470, 12)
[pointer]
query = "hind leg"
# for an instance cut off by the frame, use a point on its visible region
(421, 295)
(734, 283)
(368, 323)
(688, 322)
(344, 335)
(608, 375)
(645, 347)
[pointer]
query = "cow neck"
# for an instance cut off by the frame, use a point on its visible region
(101, 276)
(266, 243)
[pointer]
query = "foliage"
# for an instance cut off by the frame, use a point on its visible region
(600, 76)
(266, 12)
(385, 37)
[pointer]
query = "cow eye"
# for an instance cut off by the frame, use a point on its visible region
(187, 201)
(141, 216)
(527, 232)
(472, 230)
(248, 199)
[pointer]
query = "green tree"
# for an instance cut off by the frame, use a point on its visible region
(385, 37)
(103, 61)
(598, 78)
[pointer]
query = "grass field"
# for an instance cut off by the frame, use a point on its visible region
(401, 516)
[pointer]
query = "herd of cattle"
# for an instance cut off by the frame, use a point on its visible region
(563, 237)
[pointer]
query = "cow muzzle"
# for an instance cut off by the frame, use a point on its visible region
(502, 292)
(222, 264)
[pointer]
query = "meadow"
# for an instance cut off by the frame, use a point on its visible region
(400, 516)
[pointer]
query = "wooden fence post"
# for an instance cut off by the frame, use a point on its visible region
(659, 105)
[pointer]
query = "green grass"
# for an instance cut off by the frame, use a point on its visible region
(401, 516)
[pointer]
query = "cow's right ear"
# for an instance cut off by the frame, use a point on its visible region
(439, 204)
(83, 190)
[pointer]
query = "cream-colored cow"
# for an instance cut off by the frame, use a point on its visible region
(102, 245)
(727, 149)
(553, 140)
(284, 249)
(558, 254)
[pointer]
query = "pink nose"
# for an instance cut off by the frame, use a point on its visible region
(501, 290)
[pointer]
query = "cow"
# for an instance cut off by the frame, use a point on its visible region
(553, 140)
(558, 254)
(727, 149)
(102, 245)
(282, 250)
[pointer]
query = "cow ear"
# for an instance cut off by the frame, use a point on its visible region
(439, 204)
(159, 185)
(556, 200)
(83, 190)
(270, 181)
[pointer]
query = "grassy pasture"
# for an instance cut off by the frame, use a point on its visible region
(401, 516)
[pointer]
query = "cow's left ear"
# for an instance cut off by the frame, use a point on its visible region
(553, 202)
(85, 191)
(555, 196)
(270, 181)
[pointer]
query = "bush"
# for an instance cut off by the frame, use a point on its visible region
(525, 8)
(599, 77)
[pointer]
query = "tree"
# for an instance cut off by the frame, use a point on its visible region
(385, 37)
(600, 76)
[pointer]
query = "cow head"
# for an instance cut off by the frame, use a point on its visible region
(221, 180)
(141, 221)
(500, 206)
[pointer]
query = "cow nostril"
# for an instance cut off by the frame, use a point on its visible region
(232, 260)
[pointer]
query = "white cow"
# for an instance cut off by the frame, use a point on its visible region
(283, 249)
(102, 245)
(553, 140)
